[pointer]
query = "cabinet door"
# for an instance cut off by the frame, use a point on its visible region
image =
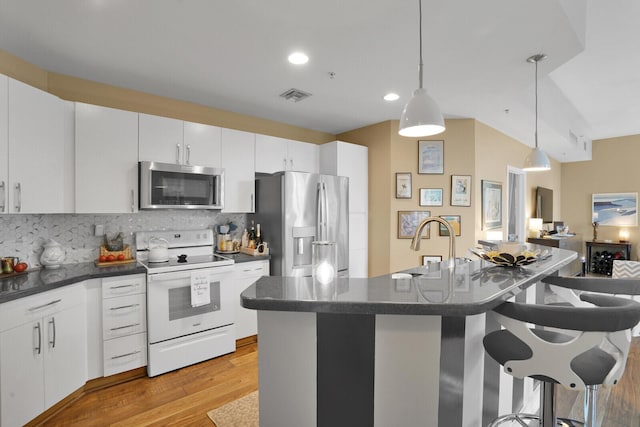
(4, 143)
(65, 358)
(245, 274)
(36, 150)
(22, 373)
(353, 161)
(160, 139)
(239, 168)
(303, 157)
(201, 145)
(106, 160)
(270, 154)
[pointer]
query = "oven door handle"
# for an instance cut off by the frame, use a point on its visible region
(186, 275)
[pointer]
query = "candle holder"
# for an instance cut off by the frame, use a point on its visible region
(324, 257)
(595, 230)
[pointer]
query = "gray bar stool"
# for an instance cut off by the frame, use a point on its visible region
(587, 347)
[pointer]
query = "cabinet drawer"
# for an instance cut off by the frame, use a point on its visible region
(23, 310)
(250, 269)
(123, 285)
(123, 316)
(124, 354)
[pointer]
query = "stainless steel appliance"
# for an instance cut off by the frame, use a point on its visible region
(297, 208)
(175, 186)
(190, 307)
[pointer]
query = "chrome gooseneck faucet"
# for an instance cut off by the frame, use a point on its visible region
(415, 242)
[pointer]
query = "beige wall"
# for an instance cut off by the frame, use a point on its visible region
(494, 153)
(75, 89)
(613, 169)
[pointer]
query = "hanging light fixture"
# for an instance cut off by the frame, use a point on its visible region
(421, 116)
(537, 160)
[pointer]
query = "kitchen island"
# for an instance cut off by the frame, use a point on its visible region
(389, 351)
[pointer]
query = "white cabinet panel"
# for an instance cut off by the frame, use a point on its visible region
(4, 143)
(275, 154)
(160, 139)
(94, 329)
(44, 357)
(271, 154)
(202, 144)
(36, 150)
(358, 264)
(106, 160)
(124, 354)
(237, 155)
(65, 358)
(124, 316)
(244, 275)
(167, 140)
(358, 230)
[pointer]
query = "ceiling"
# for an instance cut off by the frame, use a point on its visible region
(232, 55)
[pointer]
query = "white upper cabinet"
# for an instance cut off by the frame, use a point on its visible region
(106, 160)
(239, 170)
(40, 157)
(275, 154)
(350, 160)
(166, 140)
(4, 143)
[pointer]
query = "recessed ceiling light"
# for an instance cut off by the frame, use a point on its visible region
(391, 97)
(298, 58)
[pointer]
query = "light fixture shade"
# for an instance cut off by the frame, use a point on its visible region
(537, 160)
(421, 116)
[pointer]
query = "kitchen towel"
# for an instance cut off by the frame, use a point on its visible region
(200, 293)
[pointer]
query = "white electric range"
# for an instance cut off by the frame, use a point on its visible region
(190, 307)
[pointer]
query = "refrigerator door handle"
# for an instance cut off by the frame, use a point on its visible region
(322, 211)
(300, 245)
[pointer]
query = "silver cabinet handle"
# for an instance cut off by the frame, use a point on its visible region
(39, 347)
(4, 197)
(52, 327)
(125, 327)
(133, 201)
(44, 305)
(188, 155)
(122, 307)
(177, 153)
(291, 163)
(121, 286)
(18, 196)
(284, 163)
(253, 204)
(120, 356)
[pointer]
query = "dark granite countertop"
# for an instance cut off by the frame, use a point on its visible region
(469, 288)
(36, 281)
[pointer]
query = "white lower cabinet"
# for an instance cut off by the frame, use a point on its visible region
(244, 275)
(42, 352)
(124, 323)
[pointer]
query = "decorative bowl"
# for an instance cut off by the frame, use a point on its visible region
(507, 259)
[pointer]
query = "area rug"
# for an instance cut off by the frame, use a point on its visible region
(241, 412)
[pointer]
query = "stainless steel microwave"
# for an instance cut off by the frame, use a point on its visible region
(175, 186)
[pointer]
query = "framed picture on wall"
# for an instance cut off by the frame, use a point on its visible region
(408, 222)
(403, 185)
(431, 197)
(491, 205)
(617, 209)
(454, 221)
(431, 157)
(460, 190)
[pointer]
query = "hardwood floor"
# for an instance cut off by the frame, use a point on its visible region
(179, 398)
(183, 397)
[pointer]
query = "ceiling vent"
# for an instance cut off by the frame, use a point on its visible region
(294, 95)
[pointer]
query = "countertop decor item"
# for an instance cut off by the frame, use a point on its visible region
(509, 259)
(53, 255)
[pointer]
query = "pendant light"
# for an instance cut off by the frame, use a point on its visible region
(537, 160)
(421, 116)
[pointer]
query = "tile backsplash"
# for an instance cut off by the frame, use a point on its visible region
(24, 235)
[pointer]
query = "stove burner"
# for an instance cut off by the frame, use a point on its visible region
(182, 258)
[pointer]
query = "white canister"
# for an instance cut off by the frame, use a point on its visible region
(53, 255)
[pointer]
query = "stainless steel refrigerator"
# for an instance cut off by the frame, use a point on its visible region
(296, 208)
